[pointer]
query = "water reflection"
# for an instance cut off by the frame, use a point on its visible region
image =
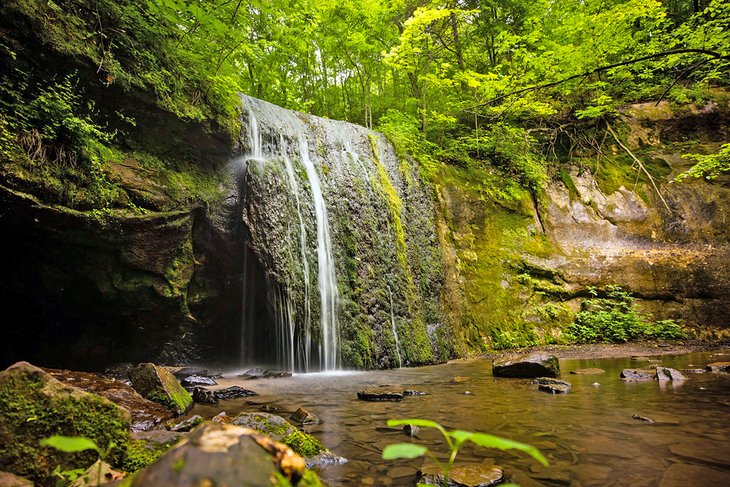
(589, 435)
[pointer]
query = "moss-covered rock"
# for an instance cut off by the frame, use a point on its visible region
(227, 455)
(34, 405)
(159, 385)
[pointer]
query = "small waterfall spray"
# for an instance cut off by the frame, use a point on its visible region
(395, 330)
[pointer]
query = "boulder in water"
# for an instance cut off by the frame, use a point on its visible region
(224, 454)
(664, 374)
(185, 372)
(462, 475)
(197, 380)
(412, 392)
(233, 392)
(376, 396)
(276, 373)
(302, 416)
(552, 385)
(159, 385)
(253, 373)
(527, 366)
(719, 367)
(201, 395)
(34, 405)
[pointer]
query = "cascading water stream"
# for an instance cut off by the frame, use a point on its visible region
(328, 293)
(395, 330)
(293, 329)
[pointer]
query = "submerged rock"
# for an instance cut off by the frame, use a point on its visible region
(553, 386)
(303, 416)
(281, 430)
(693, 371)
(201, 395)
(638, 375)
(719, 367)
(462, 476)
(145, 414)
(588, 371)
(221, 454)
(34, 405)
(527, 366)
(159, 385)
(645, 419)
(411, 392)
(375, 396)
(233, 392)
(197, 380)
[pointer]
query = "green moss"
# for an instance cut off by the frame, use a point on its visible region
(34, 406)
(281, 430)
(178, 465)
(141, 453)
(305, 445)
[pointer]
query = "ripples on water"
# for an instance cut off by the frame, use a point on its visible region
(588, 435)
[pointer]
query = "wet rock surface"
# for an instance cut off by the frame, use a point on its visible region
(186, 423)
(413, 392)
(302, 416)
(462, 475)
(145, 414)
(233, 392)
(377, 396)
(197, 380)
(201, 395)
(552, 385)
(159, 385)
(719, 367)
(218, 454)
(528, 366)
(664, 374)
(638, 375)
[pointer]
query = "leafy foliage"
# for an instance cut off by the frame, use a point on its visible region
(454, 439)
(613, 318)
(708, 166)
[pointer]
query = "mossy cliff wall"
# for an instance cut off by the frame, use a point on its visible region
(517, 266)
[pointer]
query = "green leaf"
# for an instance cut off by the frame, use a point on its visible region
(491, 441)
(423, 423)
(69, 444)
(403, 450)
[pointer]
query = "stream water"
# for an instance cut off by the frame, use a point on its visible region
(589, 435)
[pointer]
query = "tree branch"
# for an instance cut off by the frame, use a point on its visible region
(715, 55)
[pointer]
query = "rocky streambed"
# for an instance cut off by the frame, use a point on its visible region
(670, 429)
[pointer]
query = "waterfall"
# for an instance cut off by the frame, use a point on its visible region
(328, 294)
(278, 144)
(395, 330)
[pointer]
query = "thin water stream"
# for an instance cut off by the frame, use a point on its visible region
(589, 435)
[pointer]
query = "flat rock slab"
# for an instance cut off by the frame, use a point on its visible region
(553, 386)
(462, 475)
(588, 371)
(719, 367)
(527, 366)
(145, 413)
(197, 380)
(638, 375)
(234, 392)
(681, 475)
(376, 396)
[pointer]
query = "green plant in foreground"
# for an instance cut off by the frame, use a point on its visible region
(454, 440)
(76, 444)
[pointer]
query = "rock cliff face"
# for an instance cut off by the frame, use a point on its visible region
(344, 232)
(517, 269)
(320, 211)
